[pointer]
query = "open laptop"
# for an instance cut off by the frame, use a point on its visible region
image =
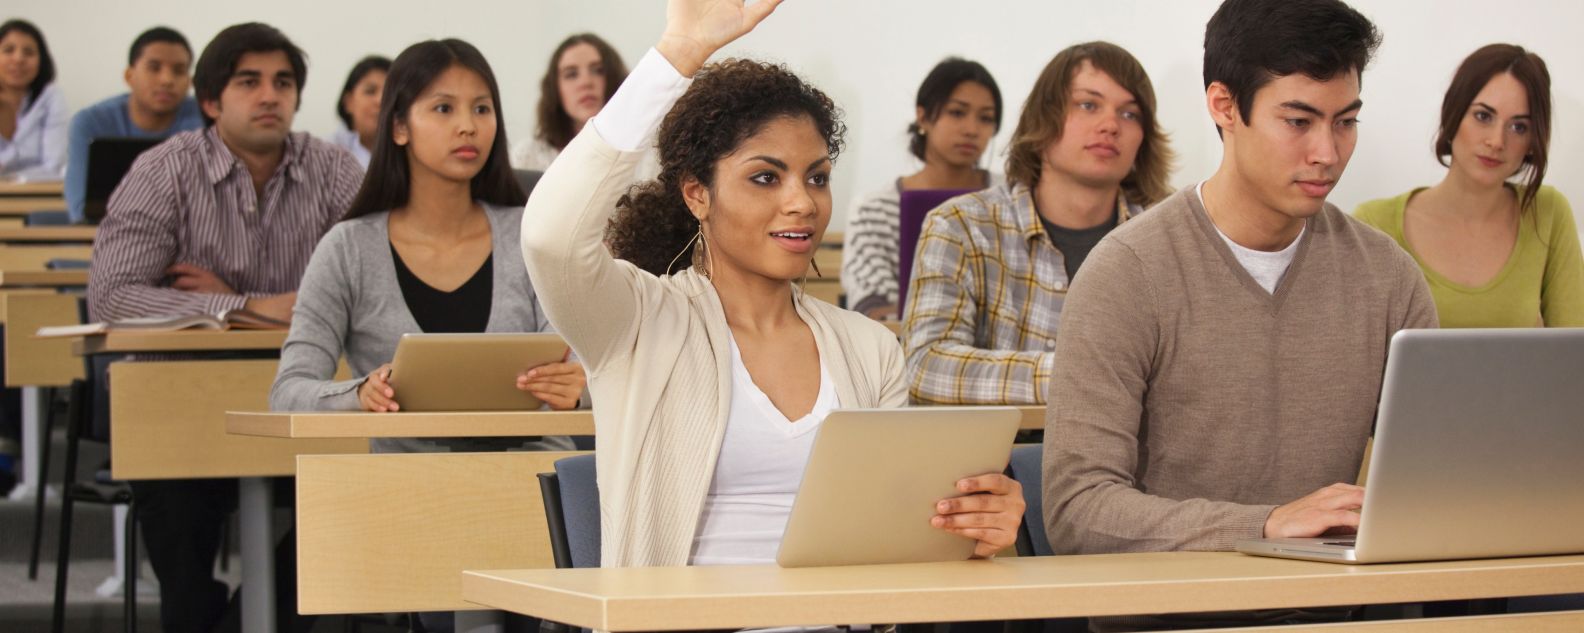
(109, 160)
(469, 372)
(874, 476)
(1479, 452)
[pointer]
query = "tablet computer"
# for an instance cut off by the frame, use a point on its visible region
(874, 476)
(469, 372)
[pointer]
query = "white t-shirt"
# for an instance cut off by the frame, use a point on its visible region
(1267, 268)
(757, 474)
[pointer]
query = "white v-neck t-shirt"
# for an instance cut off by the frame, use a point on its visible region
(1267, 268)
(757, 474)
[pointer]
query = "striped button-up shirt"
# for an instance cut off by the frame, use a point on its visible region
(985, 300)
(191, 201)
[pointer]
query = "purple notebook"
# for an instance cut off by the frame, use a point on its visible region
(915, 204)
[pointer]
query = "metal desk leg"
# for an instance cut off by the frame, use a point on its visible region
(34, 408)
(255, 505)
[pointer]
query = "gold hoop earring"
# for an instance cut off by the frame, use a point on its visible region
(815, 265)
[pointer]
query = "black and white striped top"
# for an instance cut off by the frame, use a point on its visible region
(191, 201)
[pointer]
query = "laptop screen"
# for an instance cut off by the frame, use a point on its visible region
(109, 159)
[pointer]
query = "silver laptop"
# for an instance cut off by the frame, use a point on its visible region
(1479, 452)
(873, 478)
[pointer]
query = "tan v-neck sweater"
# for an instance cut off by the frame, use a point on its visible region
(1188, 402)
(658, 356)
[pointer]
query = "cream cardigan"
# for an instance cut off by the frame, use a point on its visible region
(658, 358)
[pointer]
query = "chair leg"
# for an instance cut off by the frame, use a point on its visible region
(225, 545)
(38, 491)
(63, 551)
(129, 587)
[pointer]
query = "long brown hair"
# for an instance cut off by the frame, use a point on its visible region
(1477, 70)
(555, 125)
(1045, 112)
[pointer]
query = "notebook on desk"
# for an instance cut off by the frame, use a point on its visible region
(1477, 452)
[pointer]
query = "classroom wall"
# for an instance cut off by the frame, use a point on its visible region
(871, 54)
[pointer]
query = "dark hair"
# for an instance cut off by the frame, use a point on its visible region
(555, 125)
(362, 69)
(727, 103)
(388, 183)
(46, 67)
(156, 35)
(219, 59)
(1472, 75)
(937, 90)
(1045, 114)
(1248, 43)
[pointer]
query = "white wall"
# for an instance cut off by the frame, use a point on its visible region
(871, 54)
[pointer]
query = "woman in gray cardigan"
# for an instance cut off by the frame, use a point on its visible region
(429, 245)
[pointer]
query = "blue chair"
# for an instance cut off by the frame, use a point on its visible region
(67, 264)
(571, 499)
(47, 218)
(1025, 466)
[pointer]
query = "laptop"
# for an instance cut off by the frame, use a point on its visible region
(873, 478)
(1479, 452)
(109, 159)
(470, 372)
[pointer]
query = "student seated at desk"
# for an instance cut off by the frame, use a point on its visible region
(156, 105)
(32, 111)
(993, 267)
(1495, 253)
(957, 111)
(710, 368)
(1220, 358)
(214, 219)
(359, 107)
(431, 244)
(584, 72)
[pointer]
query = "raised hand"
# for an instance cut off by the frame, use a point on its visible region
(695, 29)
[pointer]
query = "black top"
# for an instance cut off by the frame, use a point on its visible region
(1075, 244)
(464, 310)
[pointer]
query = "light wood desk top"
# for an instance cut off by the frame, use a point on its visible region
(37, 278)
(1557, 622)
(50, 188)
(23, 205)
(358, 424)
(49, 234)
(180, 341)
(662, 598)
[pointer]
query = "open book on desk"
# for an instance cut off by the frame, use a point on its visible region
(238, 319)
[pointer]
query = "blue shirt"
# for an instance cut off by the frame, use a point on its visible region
(111, 118)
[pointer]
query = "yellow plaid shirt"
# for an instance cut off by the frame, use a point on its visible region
(985, 300)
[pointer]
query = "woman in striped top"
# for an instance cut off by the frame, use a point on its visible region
(958, 110)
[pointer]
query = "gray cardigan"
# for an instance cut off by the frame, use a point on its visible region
(350, 303)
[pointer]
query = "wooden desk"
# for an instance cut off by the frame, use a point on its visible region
(49, 234)
(372, 425)
(39, 362)
(670, 598)
(23, 205)
(1557, 622)
(42, 278)
(183, 341)
(34, 257)
(47, 188)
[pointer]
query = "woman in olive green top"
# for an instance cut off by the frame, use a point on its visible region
(1495, 253)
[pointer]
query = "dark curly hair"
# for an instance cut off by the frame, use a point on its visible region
(728, 102)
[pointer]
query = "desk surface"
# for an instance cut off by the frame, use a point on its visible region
(23, 205)
(180, 341)
(355, 424)
(38, 278)
(1555, 622)
(669, 598)
(49, 234)
(51, 188)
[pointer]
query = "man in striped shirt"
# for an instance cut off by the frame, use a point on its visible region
(216, 219)
(993, 267)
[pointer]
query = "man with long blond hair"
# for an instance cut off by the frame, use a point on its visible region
(993, 267)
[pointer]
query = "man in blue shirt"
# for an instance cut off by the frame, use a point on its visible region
(158, 74)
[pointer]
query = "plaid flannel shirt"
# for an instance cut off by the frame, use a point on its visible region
(985, 300)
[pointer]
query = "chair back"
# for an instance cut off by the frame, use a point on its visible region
(579, 496)
(914, 205)
(1025, 465)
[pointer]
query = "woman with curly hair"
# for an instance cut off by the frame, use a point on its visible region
(709, 367)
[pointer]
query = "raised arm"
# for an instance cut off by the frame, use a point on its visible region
(594, 300)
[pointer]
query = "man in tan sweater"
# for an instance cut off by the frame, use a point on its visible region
(1220, 360)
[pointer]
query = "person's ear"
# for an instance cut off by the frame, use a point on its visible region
(1223, 105)
(921, 119)
(127, 76)
(697, 197)
(211, 108)
(400, 133)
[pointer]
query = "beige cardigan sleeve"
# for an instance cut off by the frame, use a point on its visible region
(592, 298)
